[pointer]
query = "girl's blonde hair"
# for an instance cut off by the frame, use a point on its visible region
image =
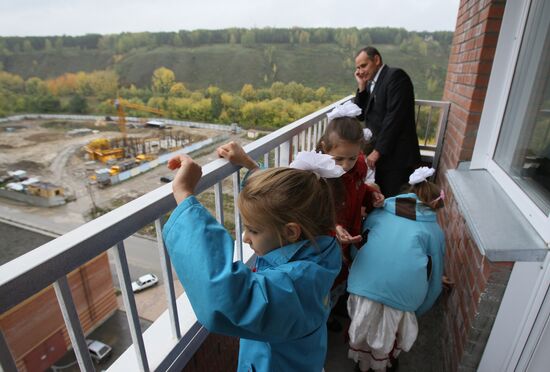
(429, 194)
(345, 128)
(277, 196)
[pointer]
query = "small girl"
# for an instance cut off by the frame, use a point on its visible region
(278, 309)
(343, 139)
(396, 274)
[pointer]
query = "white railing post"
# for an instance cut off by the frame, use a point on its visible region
(74, 329)
(123, 273)
(168, 278)
(285, 153)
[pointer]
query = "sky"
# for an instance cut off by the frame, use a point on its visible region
(80, 17)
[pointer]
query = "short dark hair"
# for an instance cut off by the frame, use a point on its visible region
(371, 52)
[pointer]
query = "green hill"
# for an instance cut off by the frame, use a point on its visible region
(230, 64)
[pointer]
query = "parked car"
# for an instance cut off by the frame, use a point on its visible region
(166, 179)
(145, 281)
(98, 350)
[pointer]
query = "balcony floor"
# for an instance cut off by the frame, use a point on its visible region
(425, 356)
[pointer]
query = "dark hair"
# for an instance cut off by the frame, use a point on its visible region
(345, 128)
(371, 52)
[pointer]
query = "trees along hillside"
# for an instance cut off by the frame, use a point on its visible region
(256, 77)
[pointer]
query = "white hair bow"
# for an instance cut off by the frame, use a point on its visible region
(347, 109)
(367, 133)
(420, 175)
(322, 165)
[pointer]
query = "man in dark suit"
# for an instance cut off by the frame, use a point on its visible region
(386, 96)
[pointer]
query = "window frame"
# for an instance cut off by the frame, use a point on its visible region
(513, 26)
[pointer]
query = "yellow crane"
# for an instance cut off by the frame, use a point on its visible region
(120, 104)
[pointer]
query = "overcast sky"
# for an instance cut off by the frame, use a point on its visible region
(79, 17)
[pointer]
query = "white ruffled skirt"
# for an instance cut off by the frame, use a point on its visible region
(378, 333)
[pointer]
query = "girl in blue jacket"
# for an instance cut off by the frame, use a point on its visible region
(396, 274)
(280, 307)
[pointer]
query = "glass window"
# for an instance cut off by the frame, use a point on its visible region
(523, 147)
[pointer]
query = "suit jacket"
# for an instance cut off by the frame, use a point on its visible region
(389, 113)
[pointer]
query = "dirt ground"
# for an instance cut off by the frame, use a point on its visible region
(44, 149)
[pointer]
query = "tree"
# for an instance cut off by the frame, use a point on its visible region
(48, 45)
(77, 105)
(104, 84)
(304, 37)
(162, 81)
(248, 38)
(216, 104)
(178, 90)
(248, 92)
(27, 46)
(36, 87)
(11, 82)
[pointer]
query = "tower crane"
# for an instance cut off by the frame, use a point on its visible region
(120, 104)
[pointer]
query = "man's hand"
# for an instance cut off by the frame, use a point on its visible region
(344, 236)
(188, 175)
(362, 81)
(372, 159)
(234, 153)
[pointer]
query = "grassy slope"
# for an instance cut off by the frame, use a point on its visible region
(231, 66)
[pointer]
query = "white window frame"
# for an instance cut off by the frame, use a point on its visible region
(506, 56)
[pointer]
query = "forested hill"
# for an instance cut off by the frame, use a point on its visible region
(230, 58)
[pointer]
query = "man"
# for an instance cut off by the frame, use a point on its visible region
(386, 96)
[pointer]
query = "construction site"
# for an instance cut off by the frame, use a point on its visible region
(97, 161)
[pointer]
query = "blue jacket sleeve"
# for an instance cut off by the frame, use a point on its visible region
(227, 296)
(436, 250)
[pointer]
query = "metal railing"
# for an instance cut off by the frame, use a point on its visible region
(52, 262)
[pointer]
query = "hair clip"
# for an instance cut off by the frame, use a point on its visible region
(440, 197)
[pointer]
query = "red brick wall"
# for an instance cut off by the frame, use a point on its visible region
(470, 308)
(470, 62)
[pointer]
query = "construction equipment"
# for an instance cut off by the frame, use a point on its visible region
(120, 104)
(143, 158)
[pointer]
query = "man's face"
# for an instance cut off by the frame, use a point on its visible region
(365, 67)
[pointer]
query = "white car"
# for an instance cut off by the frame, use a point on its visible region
(98, 350)
(145, 281)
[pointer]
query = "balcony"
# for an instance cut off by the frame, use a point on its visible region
(171, 341)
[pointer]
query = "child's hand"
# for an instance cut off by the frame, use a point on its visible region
(377, 200)
(188, 175)
(344, 236)
(234, 153)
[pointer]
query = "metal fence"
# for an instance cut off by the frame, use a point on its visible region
(133, 119)
(51, 263)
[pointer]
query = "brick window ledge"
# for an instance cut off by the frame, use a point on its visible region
(498, 228)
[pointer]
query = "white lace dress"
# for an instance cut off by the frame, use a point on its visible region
(378, 333)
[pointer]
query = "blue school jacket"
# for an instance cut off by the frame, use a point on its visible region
(392, 267)
(279, 311)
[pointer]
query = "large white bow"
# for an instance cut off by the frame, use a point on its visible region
(347, 109)
(420, 175)
(367, 133)
(322, 165)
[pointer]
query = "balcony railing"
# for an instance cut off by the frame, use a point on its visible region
(158, 348)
